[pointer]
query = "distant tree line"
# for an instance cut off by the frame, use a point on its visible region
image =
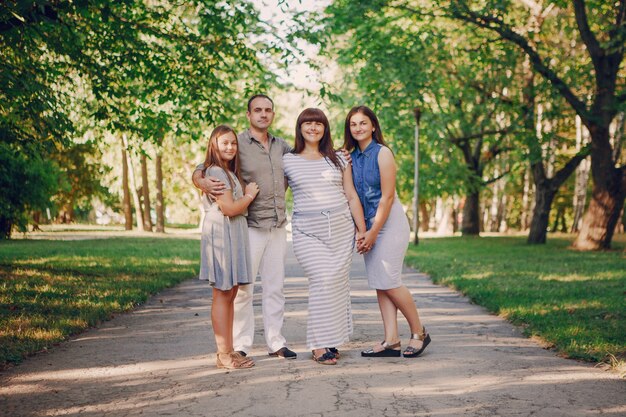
(522, 106)
(146, 73)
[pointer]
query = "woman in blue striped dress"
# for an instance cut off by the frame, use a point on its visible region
(326, 208)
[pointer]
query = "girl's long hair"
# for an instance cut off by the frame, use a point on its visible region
(326, 144)
(213, 155)
(349, 142)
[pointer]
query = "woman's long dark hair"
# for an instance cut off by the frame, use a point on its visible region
(326, 144)
(213, 157)
(349, 142)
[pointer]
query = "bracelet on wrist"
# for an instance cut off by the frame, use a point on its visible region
(248, 195)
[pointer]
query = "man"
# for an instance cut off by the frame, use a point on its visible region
(261, 158)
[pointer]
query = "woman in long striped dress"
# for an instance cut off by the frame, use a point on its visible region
(326, 208)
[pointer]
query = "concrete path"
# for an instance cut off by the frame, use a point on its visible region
(158, 361)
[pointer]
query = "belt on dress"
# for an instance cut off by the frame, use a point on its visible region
(312, 213)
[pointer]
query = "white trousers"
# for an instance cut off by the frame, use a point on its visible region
(268, 249)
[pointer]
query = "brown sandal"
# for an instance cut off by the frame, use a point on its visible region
(328, 358)
(233, 360)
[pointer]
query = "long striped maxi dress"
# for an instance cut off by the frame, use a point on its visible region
(323, 242)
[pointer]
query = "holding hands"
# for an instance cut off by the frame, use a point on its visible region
(365, 241)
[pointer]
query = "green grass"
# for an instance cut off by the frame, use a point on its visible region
(574, 301)
(52, 289)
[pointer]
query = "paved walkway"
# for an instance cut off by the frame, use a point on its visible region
(158, 361)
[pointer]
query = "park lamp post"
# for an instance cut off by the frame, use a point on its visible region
(416, 218)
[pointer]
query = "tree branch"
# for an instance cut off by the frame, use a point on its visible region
(564, 173)
(484, 133)
(478, 146)
(492, 180)
(481, 88)
(593, 46)
(461, 11)
(27, 17)
(496, 150)
(618, 34)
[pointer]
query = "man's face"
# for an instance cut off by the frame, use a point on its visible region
(261, 113)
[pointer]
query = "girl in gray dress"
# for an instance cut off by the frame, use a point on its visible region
(324, 206)
(225, 255)
(387, 236)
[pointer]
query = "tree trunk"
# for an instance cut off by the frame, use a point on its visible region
(527, 199)
(582, 178)
(604, 210)
(133, 186)
(438, 211)
(128, 210)
(71, 214)
(491, 218)
(425, 216)
(456, 204)
(446, 220)
(36, 221)
(470, 224)
(145, 190)
(503, 224)
(6, 226)
(607, 200)
(160, 205)
(560, 223)
(541, 215)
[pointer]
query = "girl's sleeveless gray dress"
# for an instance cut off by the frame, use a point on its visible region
(225, 247)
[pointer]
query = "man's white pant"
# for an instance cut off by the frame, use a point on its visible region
(268, 248)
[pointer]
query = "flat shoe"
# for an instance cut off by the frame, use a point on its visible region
(284, 352)
(389, 351)
(328, 358)
(334, 351)
(232, 360)
(410, 351)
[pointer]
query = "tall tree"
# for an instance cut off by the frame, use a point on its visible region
(128, 210)
(26, 181)
(79, 179)
(398, 60)
(160, 201)
(425, 60)
(604, 37)
(145, 193)
(149, 66)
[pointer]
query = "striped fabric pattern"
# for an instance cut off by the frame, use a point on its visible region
(323, 245)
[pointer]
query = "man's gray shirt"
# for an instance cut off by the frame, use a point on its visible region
(266, 169)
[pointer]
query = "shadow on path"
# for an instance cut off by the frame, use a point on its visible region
(158, 360)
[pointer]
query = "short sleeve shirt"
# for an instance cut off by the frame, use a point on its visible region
(266, 169)
(317, 184)
(223, 176)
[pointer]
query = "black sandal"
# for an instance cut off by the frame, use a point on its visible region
(328, 358)
(414, 353)
(334, 351)
(389, 351)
